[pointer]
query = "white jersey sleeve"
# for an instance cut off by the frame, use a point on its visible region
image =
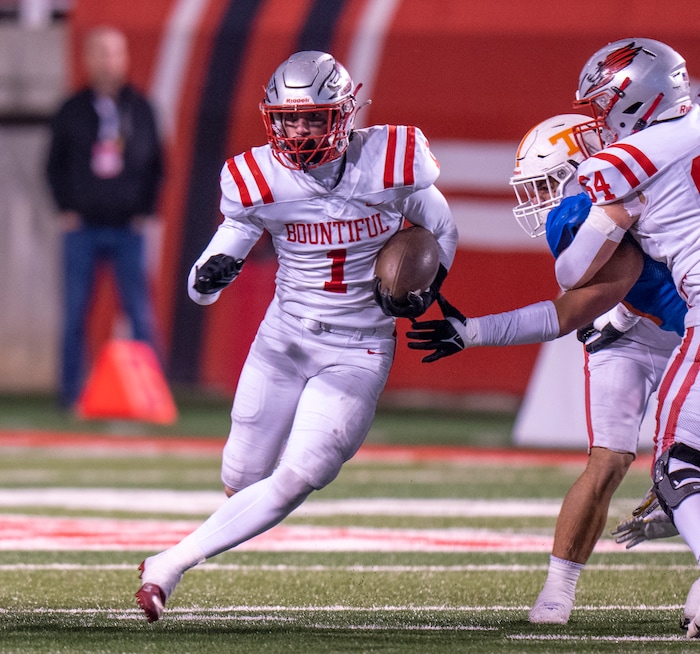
(234, 237)
(428, 208)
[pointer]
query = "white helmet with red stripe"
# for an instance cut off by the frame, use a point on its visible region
(545, 170)
(312, 85)
(631, 84)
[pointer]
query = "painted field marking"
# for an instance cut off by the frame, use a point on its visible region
(285, 614)
(189, 446)
(202, 503)
(593, 639)
(34, 533)
(205, 502)
(275, 608)
(359, 569)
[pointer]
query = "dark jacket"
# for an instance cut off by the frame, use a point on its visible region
(75, 187)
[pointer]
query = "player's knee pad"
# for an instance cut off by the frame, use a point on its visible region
(672, 487)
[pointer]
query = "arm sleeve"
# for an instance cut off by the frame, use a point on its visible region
(535, 323)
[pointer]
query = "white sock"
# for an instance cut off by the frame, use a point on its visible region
(562, 578)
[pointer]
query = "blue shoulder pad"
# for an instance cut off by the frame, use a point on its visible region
(563, 222)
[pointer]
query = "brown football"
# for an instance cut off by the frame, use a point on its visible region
(408, 261)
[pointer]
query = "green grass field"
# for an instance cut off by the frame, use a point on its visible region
(422, 554)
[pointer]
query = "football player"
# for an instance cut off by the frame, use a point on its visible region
(330, 197)
(626, 348)
(646, 182)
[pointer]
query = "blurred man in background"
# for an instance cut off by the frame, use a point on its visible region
(104, 169)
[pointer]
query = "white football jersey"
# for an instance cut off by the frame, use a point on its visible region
(327, 239)
(662, 163)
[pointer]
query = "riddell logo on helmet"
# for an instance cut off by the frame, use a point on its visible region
(612, 64)
(304, 100)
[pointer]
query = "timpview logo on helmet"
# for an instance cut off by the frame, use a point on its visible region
(630, 85)
(611, 65)
(309, 110)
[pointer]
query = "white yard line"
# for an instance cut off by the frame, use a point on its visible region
(358, 569)
(205, 612)
(284, 614)
(204, 502)
(600, 639)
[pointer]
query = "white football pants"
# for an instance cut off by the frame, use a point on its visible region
(620, 379)
(306, 398)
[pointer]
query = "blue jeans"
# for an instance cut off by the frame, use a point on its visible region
(84, 249)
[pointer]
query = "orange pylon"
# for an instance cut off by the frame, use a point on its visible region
(127, 382)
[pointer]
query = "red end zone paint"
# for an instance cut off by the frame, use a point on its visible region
(368, 452)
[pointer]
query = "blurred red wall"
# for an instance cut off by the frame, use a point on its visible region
(466, 72)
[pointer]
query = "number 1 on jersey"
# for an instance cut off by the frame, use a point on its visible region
(336, 285)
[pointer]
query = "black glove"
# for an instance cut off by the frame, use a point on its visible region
(217, 273)
(594, 339)
(439, 335)
(417, 302)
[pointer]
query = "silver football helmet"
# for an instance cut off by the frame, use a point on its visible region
(545, 169)
(631, 84)
(311, 85)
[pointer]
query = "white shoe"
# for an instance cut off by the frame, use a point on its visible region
(551, 611)
(692, 604)
(694, 626)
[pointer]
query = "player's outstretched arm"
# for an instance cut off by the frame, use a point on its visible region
(581, 306)
(535, 323)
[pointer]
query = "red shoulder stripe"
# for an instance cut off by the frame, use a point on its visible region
(246, 200)
(263, 188)
(390, 158)
(621, 166)
(265, 192)
(647, 165)
(409, 156)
